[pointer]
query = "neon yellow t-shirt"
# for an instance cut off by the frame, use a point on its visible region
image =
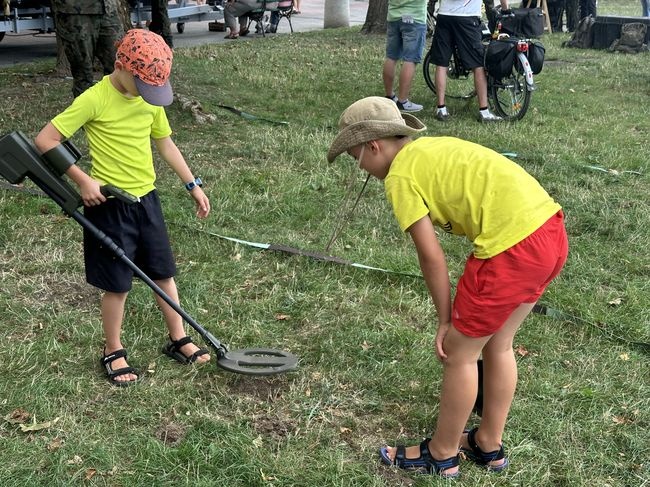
(469, 190)
(119, 131)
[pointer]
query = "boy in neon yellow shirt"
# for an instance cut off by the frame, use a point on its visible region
(120, 115)
(520, 245)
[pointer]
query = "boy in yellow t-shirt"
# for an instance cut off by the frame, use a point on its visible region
(520, 245)
(120, 115)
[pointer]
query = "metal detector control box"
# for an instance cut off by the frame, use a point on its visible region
(19, 159)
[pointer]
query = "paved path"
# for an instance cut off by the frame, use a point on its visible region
(28, 46)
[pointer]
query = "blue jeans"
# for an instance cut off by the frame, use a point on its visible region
(645, 7)
(405, 41)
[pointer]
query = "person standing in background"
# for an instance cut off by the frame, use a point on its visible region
(88, 29)
(405, 38)
(587, 8)
(160, 23)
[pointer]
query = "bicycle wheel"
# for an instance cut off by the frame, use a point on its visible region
(510, 96)
(460, 83)
(431, 17)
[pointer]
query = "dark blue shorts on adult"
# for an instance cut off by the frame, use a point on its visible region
(405, 41)
(138, 229)
(464, 32)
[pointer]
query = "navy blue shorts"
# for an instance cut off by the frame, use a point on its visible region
(464, 32)
(138, 229)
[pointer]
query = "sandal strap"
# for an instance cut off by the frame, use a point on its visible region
(400, 455)
(483, 457)
(123, 371)
(177, 344)
(197, 354)
(112, 357)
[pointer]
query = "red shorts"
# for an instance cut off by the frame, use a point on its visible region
(491, 289)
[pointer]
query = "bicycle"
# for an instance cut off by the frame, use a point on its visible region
(509, 96)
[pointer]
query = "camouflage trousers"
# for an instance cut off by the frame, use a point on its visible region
(84, 38)
(160, 23)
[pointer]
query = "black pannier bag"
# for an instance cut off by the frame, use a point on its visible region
(527, 22)
(536, 54)
(500, 57)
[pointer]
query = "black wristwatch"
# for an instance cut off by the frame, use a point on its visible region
(193, 184)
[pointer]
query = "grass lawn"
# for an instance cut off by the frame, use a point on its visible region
(368, 374)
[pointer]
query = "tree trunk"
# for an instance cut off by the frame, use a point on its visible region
(376, 17)
(337, 14)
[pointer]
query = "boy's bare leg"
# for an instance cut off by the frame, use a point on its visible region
(388, 75)
(480, 85)
(441, 83)
(459, 389)
(112, 309)
(174, 320)
(499, 382)
(406, 74)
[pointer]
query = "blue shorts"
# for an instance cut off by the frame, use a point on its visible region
(405, 41)
(138, 229)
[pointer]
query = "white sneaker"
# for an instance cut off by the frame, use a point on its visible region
(409, 106)
(487, 116)
(392, 97)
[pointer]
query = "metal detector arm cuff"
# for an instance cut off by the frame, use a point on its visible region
(20, 159)
(61, 157)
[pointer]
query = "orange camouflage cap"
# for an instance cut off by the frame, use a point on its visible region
(149, 59)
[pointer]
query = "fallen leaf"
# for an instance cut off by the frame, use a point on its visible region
(281, 317)
(621, 420)
(258, 442)
(521, 351)
(17, 416)
(615, 302)
(90, 473)
(54, 445)
(76, 460)
(37, 426)
(624, 356)
(344, 429)
(364, 346)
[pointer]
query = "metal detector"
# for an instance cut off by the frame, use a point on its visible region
(20, 159)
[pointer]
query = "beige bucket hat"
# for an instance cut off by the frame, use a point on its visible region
(372, 118)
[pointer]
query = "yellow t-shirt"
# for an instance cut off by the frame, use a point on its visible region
(119, 131)
(467, 189)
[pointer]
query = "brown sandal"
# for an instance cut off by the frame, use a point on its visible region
(232, 36)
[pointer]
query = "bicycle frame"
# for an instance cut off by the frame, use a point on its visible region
(508, 96)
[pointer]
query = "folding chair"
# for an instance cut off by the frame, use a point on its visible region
(285, 9)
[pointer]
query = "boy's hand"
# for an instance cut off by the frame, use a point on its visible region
(443, 329)
(202, 202)
(91, 192)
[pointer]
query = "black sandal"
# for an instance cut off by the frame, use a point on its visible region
(111, 374)
(424, 463)
(479, 457)
(173, 349)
